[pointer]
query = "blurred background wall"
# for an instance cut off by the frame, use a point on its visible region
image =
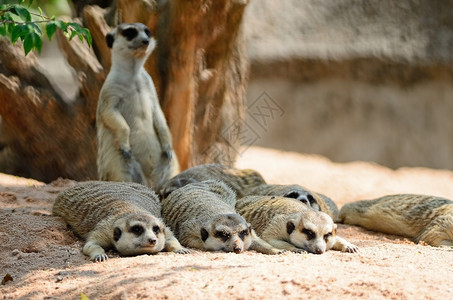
(352, 80)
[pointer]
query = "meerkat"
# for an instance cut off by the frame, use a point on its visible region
(124, 216)
(418, 217)
(134, 141)
(312, 199)
(289, 224)
(202, 216)
(240, 180)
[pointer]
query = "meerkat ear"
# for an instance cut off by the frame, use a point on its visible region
(110, 38)
(290, 227)
(116, 234)
(334, 230)
(204, 234)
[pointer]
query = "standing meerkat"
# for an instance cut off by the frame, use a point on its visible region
(123, 216)
(202, 216)
(312, 199)
(240, 180)
(134, 141)
(289, 224)
(419, 217)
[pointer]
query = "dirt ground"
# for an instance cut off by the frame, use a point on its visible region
(41, 259)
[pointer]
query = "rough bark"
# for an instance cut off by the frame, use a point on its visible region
(199, 69)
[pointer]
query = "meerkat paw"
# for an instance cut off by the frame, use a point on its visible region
(182, 251)
(167, 154)
(350, 248)
(300, 251)
(126, 153)
(100, 257)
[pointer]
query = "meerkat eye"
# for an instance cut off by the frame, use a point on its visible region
(309, 233)
(156, 229)
(136, 229)
(243, 233)
(222, 235)
(147, 32)
(311, 198)
(130, 33)
(327, 236)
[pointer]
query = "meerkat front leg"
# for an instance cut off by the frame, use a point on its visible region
(115, 122)
(93, 248)
(261, 246)
(163, 132)
(172, 244)
(343, 245)
(280, 244)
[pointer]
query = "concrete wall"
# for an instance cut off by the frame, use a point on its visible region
(353, 80)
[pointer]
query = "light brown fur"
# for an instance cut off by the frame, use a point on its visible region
(134, 141)
(199, 213)
(419, 217)
(105, 213)
(240, 180)
(289, 224)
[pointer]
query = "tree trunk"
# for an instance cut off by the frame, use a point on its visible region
(199, 69)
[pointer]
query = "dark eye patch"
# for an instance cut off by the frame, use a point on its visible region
(326, 236)
(243, 233)
(223, 235)
(129, 33)
(136, 229)
(147, 32)
(311, 198)
(292, 194)
(309, 233)
(156, 229)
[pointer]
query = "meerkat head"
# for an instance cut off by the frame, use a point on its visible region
(312, 231)
(138, 234)
(303, 196)
(131, 39)
(228, 232)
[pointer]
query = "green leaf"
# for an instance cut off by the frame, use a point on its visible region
(22, 12)
(36, 28)
(38, 41)
(51, 28)
(2, 29)
(19, 31)
(62, 25)
(73, 34)
(32, 40)
(28, 44)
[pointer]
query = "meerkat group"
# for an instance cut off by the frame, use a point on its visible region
(208, 207)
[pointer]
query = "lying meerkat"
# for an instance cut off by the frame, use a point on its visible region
(202, 216)
(124, 216)
(134, 141)
(289, 224)
(314, 200)
(240, 180)
(419, 217)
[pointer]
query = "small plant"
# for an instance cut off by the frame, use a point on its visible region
(18, 21)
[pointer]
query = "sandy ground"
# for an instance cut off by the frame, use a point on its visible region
(44, 259)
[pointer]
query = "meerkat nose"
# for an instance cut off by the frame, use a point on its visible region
(145, 42)
(237, 250)
(318, 251)
(152, 242)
